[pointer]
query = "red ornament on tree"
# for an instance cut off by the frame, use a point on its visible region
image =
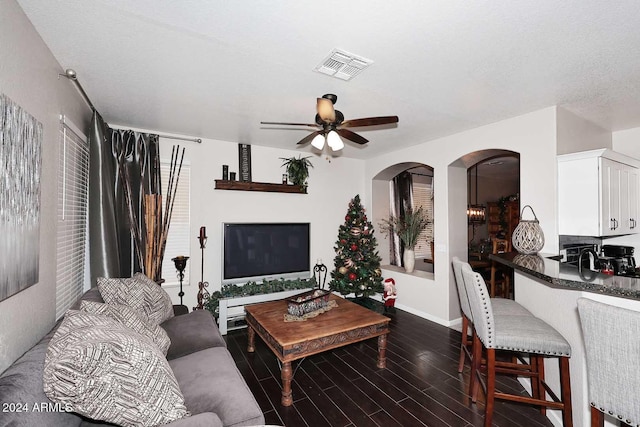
(352, 276)
(347, 218)
(354, 247)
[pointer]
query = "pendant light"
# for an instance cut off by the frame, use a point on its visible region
(476, 214)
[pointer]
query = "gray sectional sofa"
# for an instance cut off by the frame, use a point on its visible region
(214, 391)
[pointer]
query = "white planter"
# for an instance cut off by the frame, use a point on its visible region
(409, 260)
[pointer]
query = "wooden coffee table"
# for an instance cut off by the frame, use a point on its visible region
(345, 324)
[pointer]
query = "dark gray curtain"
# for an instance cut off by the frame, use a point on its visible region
(117, 156)
(401, 201)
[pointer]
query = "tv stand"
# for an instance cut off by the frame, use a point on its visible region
(229, 322)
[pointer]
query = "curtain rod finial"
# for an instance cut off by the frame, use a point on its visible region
(70, 74)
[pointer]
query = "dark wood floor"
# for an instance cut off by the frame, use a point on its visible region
(343, 387)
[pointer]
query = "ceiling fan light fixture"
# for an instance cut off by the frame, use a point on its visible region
(334, 141)
(318, 141)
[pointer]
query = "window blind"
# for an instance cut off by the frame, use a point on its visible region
(422, 196)
(71, 235)
(179, 237)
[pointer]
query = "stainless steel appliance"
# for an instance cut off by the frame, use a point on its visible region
(622, 260)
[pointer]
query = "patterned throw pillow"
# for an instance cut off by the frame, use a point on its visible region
(105, 371)
(132, 320)
(140, 293)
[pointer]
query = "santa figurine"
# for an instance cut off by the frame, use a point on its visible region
(389, 296)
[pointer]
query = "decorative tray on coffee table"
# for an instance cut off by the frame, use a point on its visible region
(301, 304)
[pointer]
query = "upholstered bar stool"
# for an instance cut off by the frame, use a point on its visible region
(501, 306)
(612, 346)
(518, 335)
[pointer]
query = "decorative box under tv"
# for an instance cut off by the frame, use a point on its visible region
(307, 302)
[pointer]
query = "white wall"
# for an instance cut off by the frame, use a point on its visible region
(333, 182)
(29, 76)
(532, 135)
(627, 142)
(577, 134)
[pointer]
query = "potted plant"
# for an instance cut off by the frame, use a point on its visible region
(408, 227)
(297, 169)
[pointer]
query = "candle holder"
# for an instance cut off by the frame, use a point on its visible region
(180, 263)
(320, 274)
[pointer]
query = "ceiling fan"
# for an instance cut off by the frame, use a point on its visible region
(332, 125)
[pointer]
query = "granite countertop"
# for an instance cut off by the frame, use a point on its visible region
(565, 276)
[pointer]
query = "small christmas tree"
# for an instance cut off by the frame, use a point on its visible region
(357, 264)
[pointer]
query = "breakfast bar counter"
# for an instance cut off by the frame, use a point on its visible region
(550, 290)
(565, 276)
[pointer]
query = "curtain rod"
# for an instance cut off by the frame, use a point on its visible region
(182, 138)
(71, 75)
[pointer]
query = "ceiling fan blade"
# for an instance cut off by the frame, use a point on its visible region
(307, 139)
(313, 125)
(352, 136)
(370, 121)
(326, 110)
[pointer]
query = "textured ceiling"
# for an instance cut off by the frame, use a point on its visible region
(215, 69)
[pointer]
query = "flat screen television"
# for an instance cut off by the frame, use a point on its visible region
(265, 251)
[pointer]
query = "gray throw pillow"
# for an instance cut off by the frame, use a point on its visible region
(105, 371)
(140, 293)
(132, 320)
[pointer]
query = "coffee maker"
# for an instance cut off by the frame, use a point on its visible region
(621, 258)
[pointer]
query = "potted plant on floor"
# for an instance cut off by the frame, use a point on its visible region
(298, 170)
(408, 228)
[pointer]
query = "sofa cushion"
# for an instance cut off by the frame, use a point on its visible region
(22, 383)
(211, 382)
(139, 293)
(206, 419)
(105, 371)
(192, 332)
(92, 294)
(131, 319)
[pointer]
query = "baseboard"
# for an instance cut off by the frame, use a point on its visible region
(453, 324)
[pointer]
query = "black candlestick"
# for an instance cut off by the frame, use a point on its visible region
(181, 264)
(320, 274)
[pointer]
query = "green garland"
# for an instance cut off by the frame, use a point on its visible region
(253, 288)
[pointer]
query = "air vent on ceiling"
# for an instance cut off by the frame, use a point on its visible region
(343, 65)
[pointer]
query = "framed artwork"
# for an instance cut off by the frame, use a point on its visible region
(20, 163)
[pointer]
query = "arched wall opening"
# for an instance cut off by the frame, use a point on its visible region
(460, 235)
(384, 203)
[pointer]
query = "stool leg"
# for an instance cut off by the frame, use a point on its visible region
(535, 384)
(464, 343)
(540, 377)
(597, 417)
(491, 386)
(476, 361)
(565, 389)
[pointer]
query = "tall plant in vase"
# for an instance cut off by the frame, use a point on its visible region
(150, 234)
(357, 264)
(408, 228)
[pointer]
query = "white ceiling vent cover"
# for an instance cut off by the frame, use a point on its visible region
(343, 65)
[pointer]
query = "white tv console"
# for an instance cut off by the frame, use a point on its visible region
(227, 321)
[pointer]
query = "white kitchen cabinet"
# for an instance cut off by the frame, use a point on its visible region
(598, 194)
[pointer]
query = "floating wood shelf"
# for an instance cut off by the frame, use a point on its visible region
(222, 184)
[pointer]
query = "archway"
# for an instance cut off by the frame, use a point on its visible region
(464, 173)
(417, 185)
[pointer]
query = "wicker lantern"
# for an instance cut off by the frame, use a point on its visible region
(528, 237)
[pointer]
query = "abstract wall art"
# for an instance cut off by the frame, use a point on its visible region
(20, 163)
